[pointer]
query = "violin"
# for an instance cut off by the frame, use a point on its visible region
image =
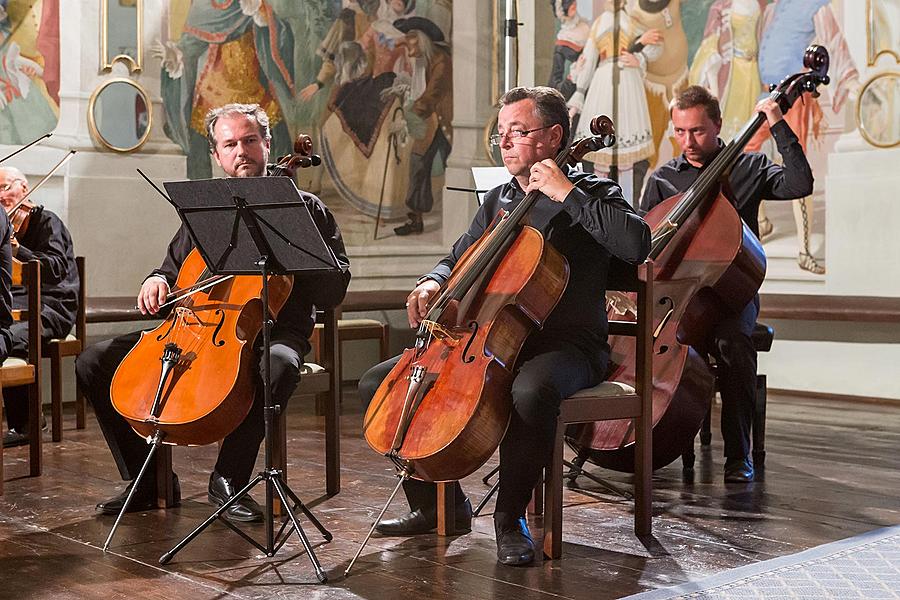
(20, 213)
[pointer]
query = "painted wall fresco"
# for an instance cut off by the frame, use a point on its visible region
(370, 79)
(736, 48)
(29, 69)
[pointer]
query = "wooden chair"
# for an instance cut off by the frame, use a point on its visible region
(16, 371)
(354, 329)
(59, 348)
(606, 401)
(323, 379)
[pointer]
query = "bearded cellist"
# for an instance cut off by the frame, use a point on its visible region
(587, 220)
(239, 139)
(697, 119)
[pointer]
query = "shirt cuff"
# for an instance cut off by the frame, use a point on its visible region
(782, 133)
(575, 201)
(430, 276)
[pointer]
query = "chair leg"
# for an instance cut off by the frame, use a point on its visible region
(643, 475)
(165, 488)
(279, 455)
(553, 498)
(1, 445)
(446, 509)
(759, 424)
(706, 428)
(35, 440)
(385, 345)
(56, 395)
(79, 407)
(536, 505)
(688, 457)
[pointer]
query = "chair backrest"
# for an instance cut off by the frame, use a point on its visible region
(28, 275)
(80, 319)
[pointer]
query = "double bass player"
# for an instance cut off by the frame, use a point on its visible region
(697, 119)
(587, 220)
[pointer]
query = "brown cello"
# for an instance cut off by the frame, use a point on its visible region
(708, 264)
(443, 409)
(203, 388)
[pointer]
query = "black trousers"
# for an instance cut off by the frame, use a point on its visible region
(547, 372)
(96, 366)
(735, 357)
(15, 399)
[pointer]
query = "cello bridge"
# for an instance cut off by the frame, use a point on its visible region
(443, 334)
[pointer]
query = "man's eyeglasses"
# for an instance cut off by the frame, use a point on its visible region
(514, 134)
(8, 186)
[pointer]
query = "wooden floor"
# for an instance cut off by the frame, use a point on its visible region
(832, 473)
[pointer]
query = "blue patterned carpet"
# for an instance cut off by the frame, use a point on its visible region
(866, 566)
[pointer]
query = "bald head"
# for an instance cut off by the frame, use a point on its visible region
(13, 186)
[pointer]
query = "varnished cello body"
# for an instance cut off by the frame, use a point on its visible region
(708, 265)
(442, 411)
(191, 380)
(210, 388)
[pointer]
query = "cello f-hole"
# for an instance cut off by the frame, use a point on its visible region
(163, 336)
(466, 357)
(218, 343)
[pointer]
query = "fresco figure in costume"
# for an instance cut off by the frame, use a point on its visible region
(360, 138)
(232, 52)
(726, 64)
(27, 108)
(788, 27)
(570, 40)
(353, 20)
(594, 95)
(667, 74)
(429, 112)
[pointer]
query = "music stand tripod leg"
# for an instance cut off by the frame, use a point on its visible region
(154, 444)
(576, 470)
(320, 572)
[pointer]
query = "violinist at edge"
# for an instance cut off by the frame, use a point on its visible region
(48, 240)
(697, 120)
(6, 318)
(588, 221)
(239, 139)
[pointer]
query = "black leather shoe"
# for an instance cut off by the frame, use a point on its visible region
(246, 510)
(144, 499)
(514, 544)
(14, 437)
(738, 470)
(414, 225)
(425, 521)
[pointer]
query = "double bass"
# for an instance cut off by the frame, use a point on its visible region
(707, 265)
(443, 409)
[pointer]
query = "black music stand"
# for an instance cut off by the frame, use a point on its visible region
(255, 226)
